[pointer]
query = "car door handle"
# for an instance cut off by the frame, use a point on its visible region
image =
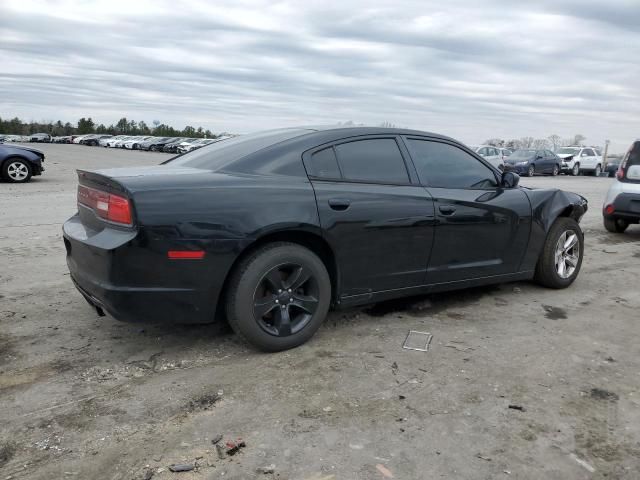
(447, 209)
(339, 204)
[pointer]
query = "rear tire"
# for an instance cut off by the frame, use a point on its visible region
(555, 171)
(561, 256)
(531, 171)
(269, 302)
(615, 225)
(596, 172)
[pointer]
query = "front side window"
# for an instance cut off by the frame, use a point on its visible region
(373, 160)
(447, 166)
(589, 152)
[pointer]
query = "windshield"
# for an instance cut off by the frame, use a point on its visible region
(523, 154)
(222, 153)
(567, 151)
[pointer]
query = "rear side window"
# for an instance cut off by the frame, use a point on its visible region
(324, 164)
(375, 160)
(589, 152)
(446, 166)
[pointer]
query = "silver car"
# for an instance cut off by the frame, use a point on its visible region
(622, 204)
(494, 155)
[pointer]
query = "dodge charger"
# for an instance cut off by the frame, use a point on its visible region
(270, 230)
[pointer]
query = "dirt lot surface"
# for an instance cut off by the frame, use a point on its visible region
(92, 398)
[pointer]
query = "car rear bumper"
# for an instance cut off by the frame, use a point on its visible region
(102, 269)
(626, 206)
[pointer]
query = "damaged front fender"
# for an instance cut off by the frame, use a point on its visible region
(546, 206)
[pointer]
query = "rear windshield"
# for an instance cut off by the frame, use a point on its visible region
(222, 153)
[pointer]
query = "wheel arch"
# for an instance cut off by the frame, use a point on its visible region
(13, 156)
(308, 239)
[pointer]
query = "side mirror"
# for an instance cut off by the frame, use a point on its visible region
(510, 179)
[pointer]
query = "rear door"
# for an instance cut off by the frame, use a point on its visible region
(482, 229)
(378, 220)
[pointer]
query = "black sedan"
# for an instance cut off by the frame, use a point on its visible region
(18, 164)
(272, 229)
(529, 161)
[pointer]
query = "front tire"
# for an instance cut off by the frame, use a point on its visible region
(615, 225)
(278, 296)
(575, 171)
(531, 170)
(555, 171)
(561, 257)
(16, 170)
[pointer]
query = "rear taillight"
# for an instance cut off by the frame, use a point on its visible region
(609, 209)
(113, 208)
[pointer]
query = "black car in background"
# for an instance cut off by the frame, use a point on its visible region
(530, 161)
(274, 228)
(18, 164)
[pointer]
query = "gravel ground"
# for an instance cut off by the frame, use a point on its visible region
(88, 397)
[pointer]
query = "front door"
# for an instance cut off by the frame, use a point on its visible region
(481, 228)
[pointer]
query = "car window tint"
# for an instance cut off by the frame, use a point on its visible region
(324, 164)
(221, 154)
(446, 166)
(373, 160)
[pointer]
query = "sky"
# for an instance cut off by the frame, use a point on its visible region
(465, 68)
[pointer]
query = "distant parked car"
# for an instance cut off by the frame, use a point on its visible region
(40, 138)
(114, 141)
(195, 145)
(622, 203)
(135, 142)
(613, 164)
(18, 164)
(93, 140)
(173, 147)
(78, 138)
(103, 141)
(63, 139)
(529, 161)
(494, 155)
(156, 144)
(578, 159)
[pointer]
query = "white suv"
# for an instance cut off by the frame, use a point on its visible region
(577, 160)
(494, 155)
(622, 204)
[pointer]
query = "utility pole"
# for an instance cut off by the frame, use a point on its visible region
(604, 159)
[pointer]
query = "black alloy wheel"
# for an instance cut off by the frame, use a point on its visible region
(278, 296)
(285, 300)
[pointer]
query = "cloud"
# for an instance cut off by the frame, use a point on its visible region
(467, 69)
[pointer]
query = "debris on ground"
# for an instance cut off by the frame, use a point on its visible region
(482, 457)
(234, 447)
(215, 440)
(517, 407)
(582, 463)
(203, 402)
(401, 397)
(220, 450)
(419, 341)
(267, 470)
(147, 474)
(394, 368)
(384, 471)
(602, 394)
(182, 467)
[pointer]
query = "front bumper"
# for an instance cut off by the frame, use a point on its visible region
(519, 169)
(115, 274)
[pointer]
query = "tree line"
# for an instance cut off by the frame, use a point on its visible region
(16, 126)
(552, 142)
